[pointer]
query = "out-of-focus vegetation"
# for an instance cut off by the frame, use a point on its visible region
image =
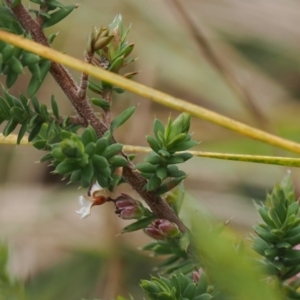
(257, 43)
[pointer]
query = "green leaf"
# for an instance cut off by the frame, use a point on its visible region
(44, 112)
(10, 127)
(30, 59)
(116, 64)
(66, 167)
(112, 150)
(58, 15)
(15, 65)
(95, 88)
(161, 172)
(105, 105)
(101, 145)
(22, 132)
(185, 156)
(99, 162)
(184, 241)
(7, 52)
(103, 180)
(50, 129)
(146, 168)
(90, 149)
(190, 291)
(87, 175)
(173, 171)
(119, 90)
(168, 185)
(35, 71)
(54, 107)
(8, 98)
(88, 135)
(140, 224)
(35, 81)
(159, 127)
(122, 118)
(25, 104)
(154, 159)
(118, 161)
(183, 146)
(153, 183)
(76, 175)
(35, 131)
(36, 104)
(39, 144)
(11, 79)
(265, 234)
(46, 157)
(176, 140)
(153, 143)
(263, 211)
(4, 107)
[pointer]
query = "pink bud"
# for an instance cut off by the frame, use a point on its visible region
(161, 229)
(168, 228)
(154, 233)
(128, 208)
(196, 276)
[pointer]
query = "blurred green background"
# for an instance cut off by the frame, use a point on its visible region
(256, 43)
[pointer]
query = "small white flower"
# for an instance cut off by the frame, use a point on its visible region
(95, 197)
(95, 189)
(86, 205)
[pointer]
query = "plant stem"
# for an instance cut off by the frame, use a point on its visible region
(85, 111)
(147, 92)
(88, 57)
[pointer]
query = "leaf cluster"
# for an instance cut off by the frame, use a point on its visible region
(278, 237)
(13, 60)
(178, 260)
(51, 11)
(177, 287)
(114, 56)
(31, 115)
(159, 167)
(86, 158)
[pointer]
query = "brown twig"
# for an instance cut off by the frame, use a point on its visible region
(88, 57)
(87, 115)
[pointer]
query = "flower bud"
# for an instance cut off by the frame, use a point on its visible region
(161, 229)
(169, 229)
(128, 208)
(196, 275)
(154, 233)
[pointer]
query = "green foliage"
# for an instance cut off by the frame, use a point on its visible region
(122, 118)
(13, 60)
(8, 22)
(201, 264)
(18, 111)
(278, 237)
(112, 54)
(177, 287)
(160, 167)
(178, 260)
(87, 158)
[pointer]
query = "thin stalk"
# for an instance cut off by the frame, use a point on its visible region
(261, 159)
(150, 93)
